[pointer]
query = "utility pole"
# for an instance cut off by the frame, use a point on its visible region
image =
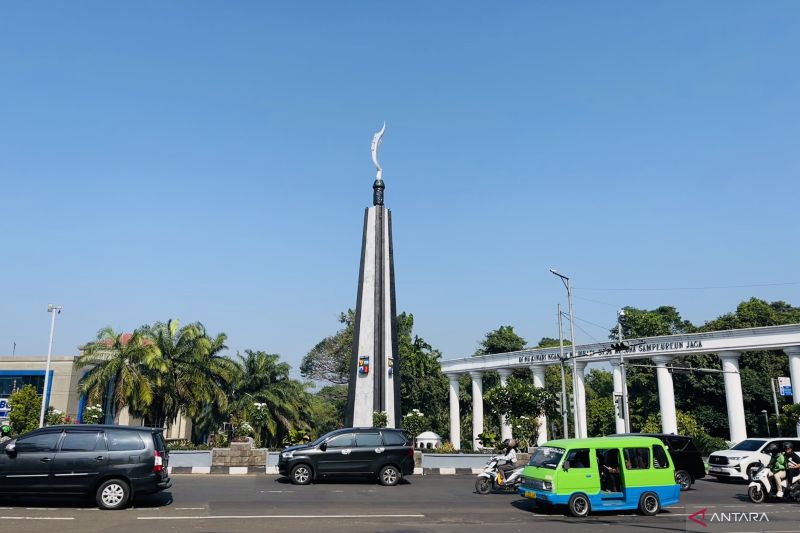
(55, 310)
(564, 408)
(625, 415)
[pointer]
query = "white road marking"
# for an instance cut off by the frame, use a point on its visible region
(245, 517)
(37, 518)
(189, 508)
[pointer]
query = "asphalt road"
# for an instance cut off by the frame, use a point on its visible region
(431, 503)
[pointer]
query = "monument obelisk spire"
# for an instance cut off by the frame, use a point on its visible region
(374, 378)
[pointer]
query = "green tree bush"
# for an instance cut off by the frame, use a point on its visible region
(25, 406)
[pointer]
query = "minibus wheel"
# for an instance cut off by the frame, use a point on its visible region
(579, 505)
(683, 479)
(649, 504)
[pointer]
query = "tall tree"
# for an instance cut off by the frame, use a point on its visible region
(264, 394)
(423, 385)
(501, 340)
(158, 371)
(127, 362)
(191, 373)
(331, 358)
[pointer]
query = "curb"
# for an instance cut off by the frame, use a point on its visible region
(450, 471)
(228, 470)
(273, 470)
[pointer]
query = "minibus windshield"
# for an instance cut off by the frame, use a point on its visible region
(546, 457)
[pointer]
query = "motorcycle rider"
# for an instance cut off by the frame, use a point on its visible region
(509, 458)
(5, 435)
(792, 462)
(777, 467)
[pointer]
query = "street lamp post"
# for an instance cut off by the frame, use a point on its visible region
(55, 310)
(578, 429)
(564, 408)
(766, 420)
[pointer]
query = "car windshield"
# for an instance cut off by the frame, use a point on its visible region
(547, 457)
(749, 445)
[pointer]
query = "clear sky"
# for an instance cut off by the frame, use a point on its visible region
(210, 161)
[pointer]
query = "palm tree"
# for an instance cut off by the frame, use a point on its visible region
(263, 384)
(159, 371)
(192, 374)
(128, 361)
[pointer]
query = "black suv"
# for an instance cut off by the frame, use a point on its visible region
(689, 465)
(380, 452)
(111, 462)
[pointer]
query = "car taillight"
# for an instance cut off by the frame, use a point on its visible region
(410, 451)
(158, 464)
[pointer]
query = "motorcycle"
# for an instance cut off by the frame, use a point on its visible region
(490, 477)
(763, 486)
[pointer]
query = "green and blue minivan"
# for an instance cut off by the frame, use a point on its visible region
(602, 474)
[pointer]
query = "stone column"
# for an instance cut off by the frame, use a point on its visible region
(538, 382)
(619, 420)
(455, 417)
(505, 427)
(580, 399)
(733, 395)
(666, 394)
(477, 407)
(794, 374)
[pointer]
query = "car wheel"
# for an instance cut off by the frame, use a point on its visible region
(756, 494)
(389, 476)
(301, 474)
(483, 485)
(579, 505)
(649, 504)
(683, 479)
(113, 494)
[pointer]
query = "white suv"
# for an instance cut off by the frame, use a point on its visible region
(733, 463)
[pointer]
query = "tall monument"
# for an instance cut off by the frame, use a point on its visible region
(375, 378)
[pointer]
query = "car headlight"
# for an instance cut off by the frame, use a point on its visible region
(736, 459)
(287, 455)
(547, 485)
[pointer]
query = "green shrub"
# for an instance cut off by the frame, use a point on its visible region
(380, 419)
(447, 447)
(489, 439)
(25, 406)
(54, 417)
(185, 445)
(93, 414)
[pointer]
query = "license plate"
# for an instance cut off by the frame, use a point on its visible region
(532, 495)
(715, 469)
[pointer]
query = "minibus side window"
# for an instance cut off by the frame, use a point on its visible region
(636, 458)
(578, 458)
(660, 459)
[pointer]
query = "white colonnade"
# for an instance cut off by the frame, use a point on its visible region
(727, 345)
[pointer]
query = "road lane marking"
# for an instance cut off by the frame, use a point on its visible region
(37, 518)
(245, 517)
(190, 508)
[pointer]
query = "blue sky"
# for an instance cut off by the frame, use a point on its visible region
(210, 161)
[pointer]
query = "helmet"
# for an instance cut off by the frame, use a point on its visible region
(5, 430)
(512, 443)
(787, 446)
(772, 449)
(505, 443)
